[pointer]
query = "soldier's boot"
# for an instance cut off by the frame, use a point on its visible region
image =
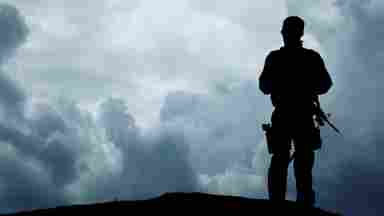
(306, 198)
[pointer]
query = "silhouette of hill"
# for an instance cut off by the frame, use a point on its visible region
(176, 203)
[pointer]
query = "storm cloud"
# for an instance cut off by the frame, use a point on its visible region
(53, 151)
(130, 99)
(350, 168)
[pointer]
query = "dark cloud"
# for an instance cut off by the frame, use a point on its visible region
(60, 154)
(14, 30)
(223, 126)
(350, 169)
(45, 151)
(152, 164)
(13, 33)
(25, 186)
(40, 167)
(39, 164)
(57, 153)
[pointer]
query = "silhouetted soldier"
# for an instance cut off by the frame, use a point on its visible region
(294, 76)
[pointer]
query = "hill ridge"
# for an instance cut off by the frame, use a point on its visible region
(172, 203)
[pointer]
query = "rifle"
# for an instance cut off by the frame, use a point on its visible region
(321, 117)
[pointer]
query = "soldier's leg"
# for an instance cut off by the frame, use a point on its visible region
(277, 176)
(303, 165)
(278, 170)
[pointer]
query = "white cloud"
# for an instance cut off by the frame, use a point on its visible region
(114, 46)
(146, 52)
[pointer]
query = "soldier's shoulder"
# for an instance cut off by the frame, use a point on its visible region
(276, 51)
(312, 53)
(273, 53)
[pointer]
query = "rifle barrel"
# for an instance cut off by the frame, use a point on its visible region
(324, 117)
(332, 126)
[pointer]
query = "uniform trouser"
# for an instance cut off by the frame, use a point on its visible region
(300, 134)
(277, 176)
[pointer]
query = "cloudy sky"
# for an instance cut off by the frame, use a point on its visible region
(113, 99)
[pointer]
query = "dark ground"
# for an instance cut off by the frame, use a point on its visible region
(184, 203)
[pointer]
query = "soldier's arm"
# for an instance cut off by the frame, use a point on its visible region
(323, 79)
(265, 79)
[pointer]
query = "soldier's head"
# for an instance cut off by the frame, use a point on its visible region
(292, 30)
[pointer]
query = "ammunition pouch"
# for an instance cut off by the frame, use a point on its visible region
(271, 138)
(277, 141)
